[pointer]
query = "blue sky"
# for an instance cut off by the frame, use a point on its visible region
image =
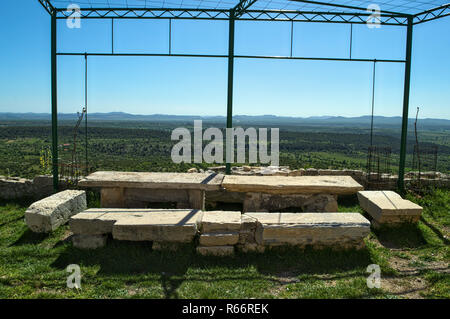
(169, 85)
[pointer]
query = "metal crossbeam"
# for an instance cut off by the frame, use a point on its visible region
(219, 14)
(47, 6)
(242, 6)
(432, 14)
(342, 6)
(148, 13)
(330, 17)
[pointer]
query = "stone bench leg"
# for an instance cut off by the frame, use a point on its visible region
(196, 199)
(112, 197)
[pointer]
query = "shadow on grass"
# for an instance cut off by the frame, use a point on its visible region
(404, 236)
(137, 258)
(437, 232)
(28, 237)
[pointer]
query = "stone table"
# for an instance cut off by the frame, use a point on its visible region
(137, 189)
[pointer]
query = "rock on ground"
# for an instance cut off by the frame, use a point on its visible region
(51, 212)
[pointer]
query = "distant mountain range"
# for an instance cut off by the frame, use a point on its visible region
(314, 120)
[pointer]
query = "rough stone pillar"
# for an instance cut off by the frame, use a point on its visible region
(196, 199)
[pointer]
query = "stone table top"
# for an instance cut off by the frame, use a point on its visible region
(155, 180)
(336, 185)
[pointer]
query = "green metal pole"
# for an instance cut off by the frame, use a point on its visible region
(401, 169)
(230, 80)
(86, 112)
(54, 105)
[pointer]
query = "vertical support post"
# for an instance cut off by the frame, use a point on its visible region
(401, 168)
(292, 35)
(170, 36)
(112, 36)
(230, 86)
(351, 39)
(54, 103)
(373, 101)
(86, 110)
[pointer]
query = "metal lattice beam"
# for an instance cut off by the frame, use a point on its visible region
(47, 6)
(148, 13)
(218, 14)
(433, 14)
(342, 6)
(330, 17)
(242, 6)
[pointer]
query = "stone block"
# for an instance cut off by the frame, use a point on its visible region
(389, 208)
(164, 226)
(301, 229)
(216, 251)
(220, 221)
(250, 248)
(219, 239)
(291, 185)
(89, 241)
(51, 212)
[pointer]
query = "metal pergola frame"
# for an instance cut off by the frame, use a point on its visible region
(242, 12)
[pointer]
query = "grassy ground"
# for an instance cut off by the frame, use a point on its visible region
(414, 262)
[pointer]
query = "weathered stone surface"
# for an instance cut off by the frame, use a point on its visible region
(216, 250)
(251, 231)
(199, 181)
(301, 229)
(336, 185)
(219, 239)
(89, 241)
(53, 211)
(261, 202)
(364, 196)
(387, 207)
(321, 203)
(112, 197)
(96, 221)
(164, 225)
(220, 221)
(250, 248)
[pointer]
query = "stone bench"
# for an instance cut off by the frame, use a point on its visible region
(219, 232)
(388, 208)
(335, 230)
(51, 212)
(272, 193)
(92, 226)
(137, 189)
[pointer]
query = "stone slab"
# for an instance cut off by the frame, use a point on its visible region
(219, 239)
(220, 221)
(364, 196)
(154, 180)
(301, 229)
(51, 212)
(388, 207)
(335, 185)
(89, 241)
(164, 226)
(216, 250)
(96, 221)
